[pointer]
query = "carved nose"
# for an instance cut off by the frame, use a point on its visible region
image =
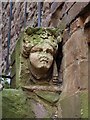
(45, 51)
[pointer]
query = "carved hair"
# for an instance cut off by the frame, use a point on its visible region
(34, 36)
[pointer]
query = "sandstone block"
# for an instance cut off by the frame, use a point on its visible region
(75, 48)
(74, 11)
(83, 74)
(75, 106)
(14, 104)
(70, 80)
(75, 77)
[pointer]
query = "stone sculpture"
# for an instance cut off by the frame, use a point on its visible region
(39, 70)
(40, 47)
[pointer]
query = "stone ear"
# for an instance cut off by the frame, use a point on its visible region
(26, 49)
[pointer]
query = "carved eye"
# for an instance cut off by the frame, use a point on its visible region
(50, 51)
(34, 38)
(24, 40)
(36, 50)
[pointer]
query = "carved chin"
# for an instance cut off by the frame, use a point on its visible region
(43, 67)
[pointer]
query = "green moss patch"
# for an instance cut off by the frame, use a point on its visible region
(14, 104)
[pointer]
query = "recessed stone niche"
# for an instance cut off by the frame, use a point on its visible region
(35, 58)
(35, 69)
(36, 88)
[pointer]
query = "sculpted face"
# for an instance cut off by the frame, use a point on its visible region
(41, 56)
(39, 48)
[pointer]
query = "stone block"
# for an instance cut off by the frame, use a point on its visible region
(14, 105)
(69, 5)
(70, 80)
(84, 104)
(38, 109)
(19, 104)
(74, 11)
(63, 10)
(51, 97)
(70, 107)
(75, 106)
(75, 48)
(15, 63)
(83, 74)
(87, 33)
(55, 6)
(75, 63)
(66, 7)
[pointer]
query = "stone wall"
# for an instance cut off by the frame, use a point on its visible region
(75, 47)
(17, 24)
(0, 37)
(74, 21)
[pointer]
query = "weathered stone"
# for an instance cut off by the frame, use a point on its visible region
(84, 104)
(51, 97)
(43, 103)
(88, 35)
(74, 11)
(75, 106)
(0, 105)
(15, 64)
(70, 80)
(66, 35)
(14, 105)
(55, 6)
(48, 88)
(63, 11)
(75, 48)
(75, 71)
(38, 65)
(70, 106)
(38, 109)
(83, 74)
(75, 25)
(76, 76)
(75, 63)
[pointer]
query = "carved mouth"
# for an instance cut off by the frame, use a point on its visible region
(44, 59)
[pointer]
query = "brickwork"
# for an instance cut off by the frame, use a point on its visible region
(69, 17)
(75, 47)
(17, 23)
(73, 19)
(0, 38)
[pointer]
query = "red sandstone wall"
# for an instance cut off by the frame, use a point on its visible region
(17, 24)
(70, 18)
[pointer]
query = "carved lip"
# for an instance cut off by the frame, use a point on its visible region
(44, 59)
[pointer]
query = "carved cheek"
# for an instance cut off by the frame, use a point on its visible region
(33, 58)
(51, 59)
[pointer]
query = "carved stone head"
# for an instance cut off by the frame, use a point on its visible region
(40, 47)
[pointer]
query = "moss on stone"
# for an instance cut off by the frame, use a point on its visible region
(14, 104)
(16, 66)
(17, 104)
(75, 106)
(51, 97)
(84, 104)
(36, 101)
